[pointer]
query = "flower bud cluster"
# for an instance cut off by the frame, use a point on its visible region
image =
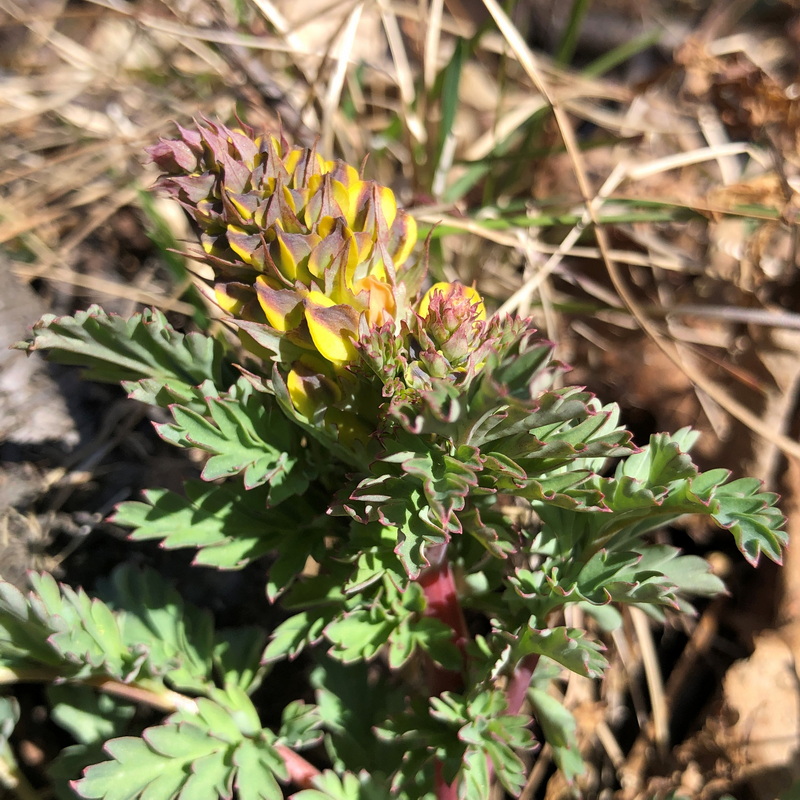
(296, 242)
(312, 263)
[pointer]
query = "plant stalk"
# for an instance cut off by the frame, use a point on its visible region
(442, 602)
(520, 683)
(444, 790)
(13, 778)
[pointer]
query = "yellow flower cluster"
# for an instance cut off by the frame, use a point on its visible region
(299, 243)
(305, 251)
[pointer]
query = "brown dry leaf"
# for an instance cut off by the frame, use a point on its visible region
(752, 250)
(778, 352)
(752, 103)
(790, 577)
(22, 543)
(764, 692)
(766, 189)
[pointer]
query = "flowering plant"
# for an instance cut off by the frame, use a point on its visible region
(427, 500)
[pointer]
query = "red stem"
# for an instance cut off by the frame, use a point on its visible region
(444, 790)
(442, 603)
(301, 772)
(520, 682)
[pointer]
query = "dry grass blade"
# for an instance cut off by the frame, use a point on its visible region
(403, 72)
(719, 395)
(524, 293)
(433, 35)
(103, 286)
(333, 93)
(655, 682)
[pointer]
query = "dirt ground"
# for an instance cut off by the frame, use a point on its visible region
(687, 311)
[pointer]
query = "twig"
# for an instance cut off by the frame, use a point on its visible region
(655, 681)
(538, 773)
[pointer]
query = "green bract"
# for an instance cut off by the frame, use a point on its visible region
(393, 458)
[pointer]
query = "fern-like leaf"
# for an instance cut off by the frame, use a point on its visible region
(245, 433)
(228, 526)
(143, 348)
(62, 628)
(177, 639)
(570, 647)
(140, 630)
(203, 756)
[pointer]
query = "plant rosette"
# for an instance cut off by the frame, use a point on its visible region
(399, 463)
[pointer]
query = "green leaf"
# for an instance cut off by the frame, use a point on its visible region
(88, 715)
(197, 756)
(419, 494)
(351, 702)
(237, 657)
(752, 518)
(490, 735)
(476, 778)
(687, 574)
(255, 772)
(229, 526)
(570, 647)
(134, 766)
(664, 461)
(657, 575)
(359, 635)
(291, 637)
(560, 731)
(428, 634)
(62, 628)
(330, 786)
(145, 346)
(177, 639)
(69, 764)
(246, 433)
(449, 83)
(569, 38)
(300, 725)
(9, 717)
(660, 484)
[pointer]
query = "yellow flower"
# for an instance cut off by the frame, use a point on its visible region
(311, 387)
(333, 327)
(453, 293)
